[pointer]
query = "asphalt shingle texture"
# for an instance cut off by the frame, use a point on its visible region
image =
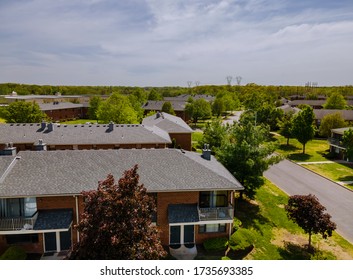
(182, 213)
(70, 172)
(53, 219)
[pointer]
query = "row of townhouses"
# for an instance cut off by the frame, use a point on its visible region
(45, 167)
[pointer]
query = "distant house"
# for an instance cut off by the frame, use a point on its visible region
(177, 128)
(335, 141)
(347, 115)
(52, 136)
(63, 111)
(178, 104)
(41, 201)
(156, 106)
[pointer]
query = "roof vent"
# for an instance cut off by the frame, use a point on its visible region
(50, 127)
(206, 152)
(158, 115)
(111, 126)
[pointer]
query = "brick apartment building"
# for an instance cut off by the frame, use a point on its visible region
(41, 202)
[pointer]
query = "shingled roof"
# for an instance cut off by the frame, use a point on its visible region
(153, 105)
(83, 134)
(167, 122)
(70, 172)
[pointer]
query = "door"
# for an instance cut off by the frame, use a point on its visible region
(50, 241)
(174, 235)
(65, 240)
(189, 234)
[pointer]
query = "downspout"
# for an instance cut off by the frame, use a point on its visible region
(76, 202)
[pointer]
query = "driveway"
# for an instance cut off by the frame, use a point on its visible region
(294, 179)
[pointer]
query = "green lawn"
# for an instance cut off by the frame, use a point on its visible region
(334, 171)
(279, 238)
(315, 150)
(2, 120)
(79, 121)
(196, 138)
(276, 237)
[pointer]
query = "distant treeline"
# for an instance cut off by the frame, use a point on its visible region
(275, 91)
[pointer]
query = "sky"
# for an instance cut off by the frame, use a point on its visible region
(168, 43)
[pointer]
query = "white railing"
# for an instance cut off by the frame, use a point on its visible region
(216, 213)
(20, 223)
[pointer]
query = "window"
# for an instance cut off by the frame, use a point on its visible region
(18, 207)
(207, 228)
(213, 199)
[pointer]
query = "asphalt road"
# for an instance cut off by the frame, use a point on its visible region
(294, 179)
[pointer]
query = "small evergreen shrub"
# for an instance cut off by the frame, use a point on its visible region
(215, 244)
(14, 253)
(242, 239)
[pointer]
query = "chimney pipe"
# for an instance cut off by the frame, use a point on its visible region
(43, 125)
(9, 150)
(111, 126)
(40, 146)
(50, 126)
(206, 152)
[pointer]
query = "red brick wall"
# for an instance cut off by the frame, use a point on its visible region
(182, 139)
(201, 237)
(163, 200)
(62, 202)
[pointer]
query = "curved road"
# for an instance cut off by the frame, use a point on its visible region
(294, 179)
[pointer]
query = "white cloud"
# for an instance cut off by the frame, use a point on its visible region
(159, 42)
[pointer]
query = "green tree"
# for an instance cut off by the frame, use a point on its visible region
(308, 213)
(168, 108)
(23, 112)
(347, 141)
(154, 95)
(329, 122)
(118, 109)
(285, 126)
(246, 153)
(214, 134)
(117, 222)
(303, 128)
(335, 101)
(198, 109)
(94, 103)
(218, 107)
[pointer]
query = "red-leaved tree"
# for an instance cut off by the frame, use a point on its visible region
(308, 213)
(117, 222)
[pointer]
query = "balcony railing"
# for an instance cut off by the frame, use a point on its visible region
(20, 223)
(336, 142)
(216, 213)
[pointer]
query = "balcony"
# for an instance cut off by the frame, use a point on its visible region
(20, 223)
(336, 142)
(216, 213)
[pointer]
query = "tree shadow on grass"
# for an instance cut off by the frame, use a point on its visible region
(288, 148)
(299, 157)
(248, 212)
(292, 251)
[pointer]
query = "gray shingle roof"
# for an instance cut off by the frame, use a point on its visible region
(59, 106)
(157, 105)
(167, 122)
(347, 115)
(70, 172)
(83, 134)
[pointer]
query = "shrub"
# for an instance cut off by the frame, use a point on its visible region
(14, 253)
(236, 224)
(214, 244)
(242, 239)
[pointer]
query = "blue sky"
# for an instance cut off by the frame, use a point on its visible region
(167, 43)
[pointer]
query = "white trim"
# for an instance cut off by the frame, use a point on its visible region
(203, 222)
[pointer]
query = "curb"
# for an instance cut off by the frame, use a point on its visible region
(320, 175)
